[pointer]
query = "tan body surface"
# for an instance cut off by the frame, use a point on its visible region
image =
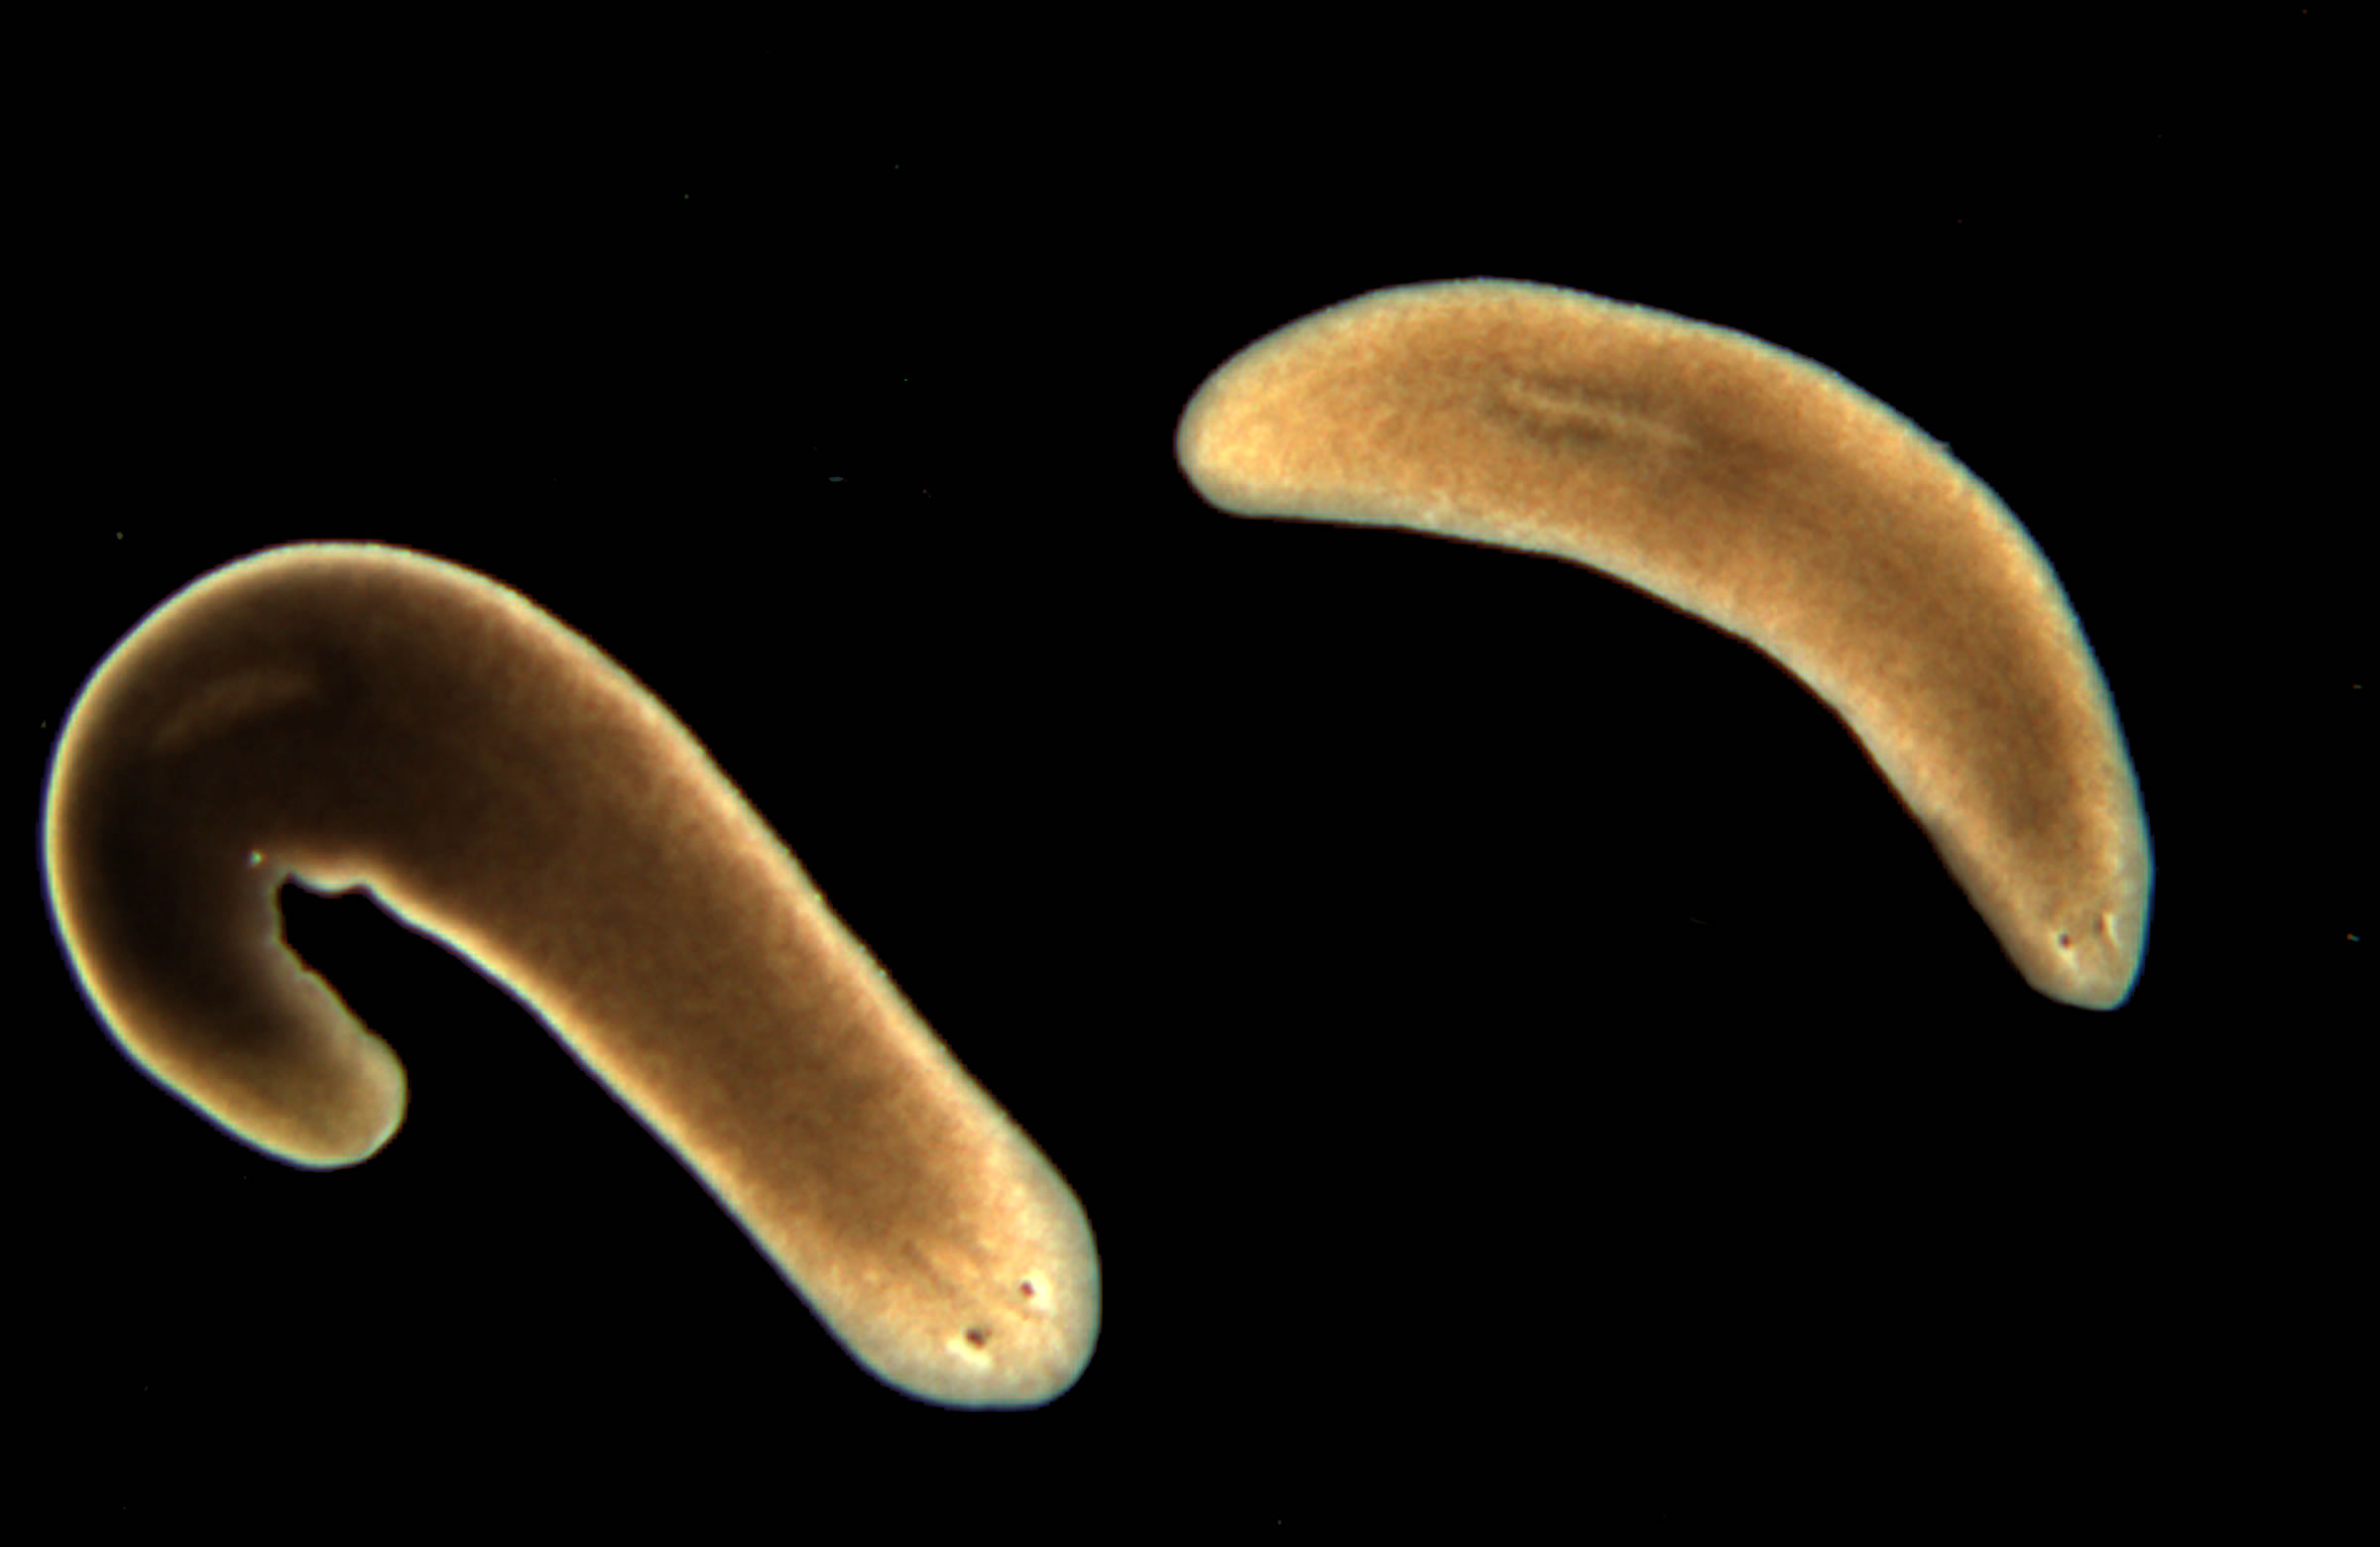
(353, 714)
(1763, 495)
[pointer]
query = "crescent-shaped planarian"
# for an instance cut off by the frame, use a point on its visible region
(349, 714)
(1768, 497)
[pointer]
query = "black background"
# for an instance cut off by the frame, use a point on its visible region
(1513, 1050)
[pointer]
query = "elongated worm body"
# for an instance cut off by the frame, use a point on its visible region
(1766, 496)
(348, 715)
